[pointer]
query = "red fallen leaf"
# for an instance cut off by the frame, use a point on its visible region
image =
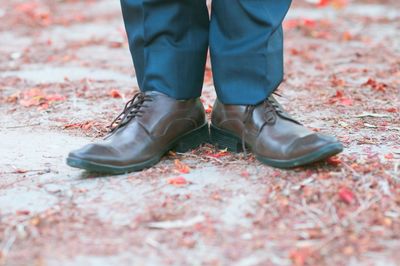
(37, 13)
(20, 171)
(181, 167)
(67, 58)
(338, 4)
(321, 35)
(307, 24)
(216, 196)
(178, 181)
(43, 106)
(299, 256)
(209, 109)
(116, 44)
(291, 24)
(340, 98)
(346, 101)
(384, 124)
(378, 86)
(218, 154)
(245, 174)
(323, 3)
(208, 77)
(31, 102)
(381, 87)
(26, 7)
(75, 125)
(336, 82)
(347, 36)
(36, 97)
(310, 23)
(55, 98)
(389, 156)
(346, 195)
(115, 93)
(86, 126)
(23, 212)
(294, 51)
(339, 94)
(391, 110)
(335, 161)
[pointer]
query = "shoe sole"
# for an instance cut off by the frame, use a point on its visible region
(226, 140)
(189, 141)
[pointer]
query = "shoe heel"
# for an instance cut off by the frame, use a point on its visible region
(193, 139)
(225, 140)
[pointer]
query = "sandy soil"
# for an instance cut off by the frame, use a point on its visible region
(65, 72)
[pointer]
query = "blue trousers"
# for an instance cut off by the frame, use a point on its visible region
(169, 39)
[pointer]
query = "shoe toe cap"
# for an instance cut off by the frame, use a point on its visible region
(312, 143)
(93, 152)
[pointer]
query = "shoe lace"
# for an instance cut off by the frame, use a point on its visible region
(133, 108)
(271, 109)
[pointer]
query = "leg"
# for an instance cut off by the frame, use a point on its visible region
(246, 44)
(247, 56)
(168, 40)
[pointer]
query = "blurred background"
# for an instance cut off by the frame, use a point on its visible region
(66, 71)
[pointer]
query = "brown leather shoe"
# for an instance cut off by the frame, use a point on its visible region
(273, 136)
(150, 125)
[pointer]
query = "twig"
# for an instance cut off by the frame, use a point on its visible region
(154, 189)
(372, 115)
(192, 155)
(177, 224)
(361, 209)
(22, 126)
(306, 210)
(23, 171)
(7, 247)
(215, 159)
(200, 157)
(348, 167)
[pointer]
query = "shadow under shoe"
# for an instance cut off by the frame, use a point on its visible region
(150, 125)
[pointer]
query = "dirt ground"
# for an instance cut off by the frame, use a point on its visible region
(65, 72)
